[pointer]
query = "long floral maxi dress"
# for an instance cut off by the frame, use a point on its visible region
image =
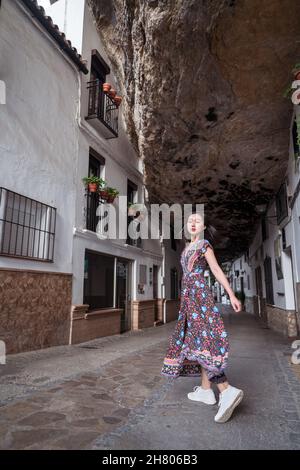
(199, 338)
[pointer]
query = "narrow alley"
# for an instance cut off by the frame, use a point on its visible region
(149, 188)
(108, 394)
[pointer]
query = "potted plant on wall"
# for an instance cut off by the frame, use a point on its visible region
(107, 193)
(118, 100)
(112, 93)
(288, 92)
(92, 183)
(103, 191)
(112, 194)
(106, 87)
(296, 71)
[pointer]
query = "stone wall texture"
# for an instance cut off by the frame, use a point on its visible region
(143, 313)
(203, 84)
(35, 309)
(95, 324)
(282, 321)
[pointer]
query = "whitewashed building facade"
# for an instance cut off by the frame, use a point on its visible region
(269, 273)
(59, 282)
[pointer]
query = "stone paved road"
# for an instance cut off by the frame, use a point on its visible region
(108, 394)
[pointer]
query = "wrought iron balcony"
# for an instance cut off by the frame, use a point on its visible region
(102, 110)
(133, 241)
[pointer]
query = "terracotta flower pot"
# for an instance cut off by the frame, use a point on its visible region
(106, 87)
(93, 187)
(297, 74)
(111, 199)
(103, 194)
(117, 100)
(112, 93)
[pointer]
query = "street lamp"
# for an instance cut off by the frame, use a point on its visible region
(261, 209)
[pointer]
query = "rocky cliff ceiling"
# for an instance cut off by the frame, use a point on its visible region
(203, 84)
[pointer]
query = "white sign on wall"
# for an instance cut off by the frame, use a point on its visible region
(2, 352)
(2, 92)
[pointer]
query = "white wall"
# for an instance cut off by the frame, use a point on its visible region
(172, 260)
(294, 226)
(121, 163)
(39, 134)
(239, 264)
(291, 225)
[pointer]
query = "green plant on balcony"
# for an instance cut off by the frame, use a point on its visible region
(289, 90)
(103, 191)
(93, 183)
(108, 193)
(112, 194)
(296, 71)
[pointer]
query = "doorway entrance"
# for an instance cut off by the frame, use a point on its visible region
(259, 289)
(155, 292)
(123, 292)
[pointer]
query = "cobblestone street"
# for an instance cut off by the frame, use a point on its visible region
(109, 394)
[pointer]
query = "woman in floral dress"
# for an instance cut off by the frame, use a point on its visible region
(199, 344)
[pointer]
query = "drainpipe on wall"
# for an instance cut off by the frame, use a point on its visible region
(163, 286)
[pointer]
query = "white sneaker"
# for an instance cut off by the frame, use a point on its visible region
(207, 396)
(229, 400)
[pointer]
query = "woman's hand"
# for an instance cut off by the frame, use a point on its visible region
(236, 303)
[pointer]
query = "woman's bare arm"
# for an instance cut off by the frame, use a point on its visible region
(221, 278)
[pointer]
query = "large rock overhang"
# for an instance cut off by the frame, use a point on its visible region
(203, 85)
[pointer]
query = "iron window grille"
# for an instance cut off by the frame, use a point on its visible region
(27, 227)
